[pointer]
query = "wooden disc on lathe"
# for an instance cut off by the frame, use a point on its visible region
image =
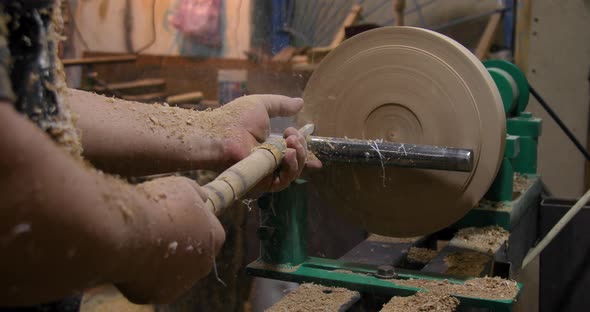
(406, 85)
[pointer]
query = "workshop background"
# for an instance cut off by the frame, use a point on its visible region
(551, 30)
(149, 51)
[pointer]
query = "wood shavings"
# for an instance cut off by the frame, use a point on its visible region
(485, 239)
(313, 297)
(154, 120)
(422, 302)
(387, 239)
(274, 267)
(310, 156)
(420, 255)
(485, 287)
(108, 298)
(118, 196)
(492, 205)
(520, 183)
(469, 263)
(373, 144)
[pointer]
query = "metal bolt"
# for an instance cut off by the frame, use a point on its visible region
(385, 272)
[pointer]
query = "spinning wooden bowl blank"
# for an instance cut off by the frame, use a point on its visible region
(409, 85)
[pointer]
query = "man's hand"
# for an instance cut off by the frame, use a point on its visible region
(132, 139)
(253, 127)
(183, 239)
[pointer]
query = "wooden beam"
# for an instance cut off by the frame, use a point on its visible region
(285, 55)
(191, 97)
(524, 15)
(351, 19)
(99, 60)
(399, 6)
(135, 84)
(489, 34)
(149, 97)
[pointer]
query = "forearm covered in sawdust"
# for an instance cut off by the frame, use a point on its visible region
(130, 138)
(59, 219)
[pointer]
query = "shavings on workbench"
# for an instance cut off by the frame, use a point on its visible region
(348, 272)
(492, 205)
(520, 183)
(484, 287)
(274, 267)
(313, 297)
(483, 239)
(420, 255)
(422, 302)
(466, 263)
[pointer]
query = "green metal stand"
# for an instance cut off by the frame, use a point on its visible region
(522, 129)
(283, 225)
(283, 256)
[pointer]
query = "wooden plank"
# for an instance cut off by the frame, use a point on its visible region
(488, 36)
(285, 55)
(99, 60)
(135, 84)
(191, 97)
(145, 97)
(187, 74)
(298, 59)
(524, 13)
(558, 62)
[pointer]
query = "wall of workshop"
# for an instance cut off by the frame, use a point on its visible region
(557, 64)
(102, 25)
(314, 22)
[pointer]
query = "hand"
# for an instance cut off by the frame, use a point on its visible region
(183, 239)
(252, 127)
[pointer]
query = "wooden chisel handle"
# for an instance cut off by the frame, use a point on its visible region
(239, 179)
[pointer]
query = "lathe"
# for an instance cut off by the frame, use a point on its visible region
(449, 155)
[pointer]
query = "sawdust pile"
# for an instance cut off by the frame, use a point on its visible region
(397, 240)
(520, 183)
(108, 298)
(274, 267)
(469, 263)
(420, 255)
(485, 239)
(492, 205)
(347, 272)
(485, 287)
(312, 297)
(422, 302)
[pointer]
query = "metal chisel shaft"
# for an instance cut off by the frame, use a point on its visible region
(382, 153)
